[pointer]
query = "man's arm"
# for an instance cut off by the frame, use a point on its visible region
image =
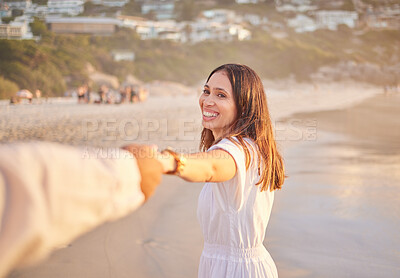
(50, 194)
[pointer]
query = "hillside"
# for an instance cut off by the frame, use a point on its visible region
(58, 62)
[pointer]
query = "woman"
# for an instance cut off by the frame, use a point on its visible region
(241, 167)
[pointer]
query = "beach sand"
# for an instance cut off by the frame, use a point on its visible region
(335, 217)
(338, 214)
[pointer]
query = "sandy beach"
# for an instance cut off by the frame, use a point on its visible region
(338, 214)
(335, 217)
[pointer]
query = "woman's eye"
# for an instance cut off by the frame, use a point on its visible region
(221, 95)
(206, 92)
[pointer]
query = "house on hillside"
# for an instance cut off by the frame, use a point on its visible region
(212, 25)
(300, 6)
(37, 10)
(219, 15)
(381, 21)
(17, 30)
(111, 3)
(384, 18)
(150, 29)
(254, 19)
(238, 32)
(170, 35)
(83, 25)
(302, 23)
(68, 7)
(20, 5)
(123, 55)
(202, 30)
(162, 10)
(331, 19)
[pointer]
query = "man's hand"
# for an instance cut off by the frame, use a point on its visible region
(150, 168)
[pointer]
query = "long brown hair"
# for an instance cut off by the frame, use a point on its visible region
(252, 121)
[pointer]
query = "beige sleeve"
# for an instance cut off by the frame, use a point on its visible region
(50, 194)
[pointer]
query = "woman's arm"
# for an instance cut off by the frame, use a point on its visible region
(213, 166)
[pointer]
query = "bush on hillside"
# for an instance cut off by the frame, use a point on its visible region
(7, 88)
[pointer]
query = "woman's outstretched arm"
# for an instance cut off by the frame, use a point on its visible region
(213, 166)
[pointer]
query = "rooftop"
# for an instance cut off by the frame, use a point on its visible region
(97, 20)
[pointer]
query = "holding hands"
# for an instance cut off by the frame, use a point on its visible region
(149, 166)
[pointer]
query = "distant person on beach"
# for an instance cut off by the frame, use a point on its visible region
(134, 94)
(125, 93)
(38, 95)
(103, 91)
(242, 168)
(87, 93)
(81, 94)
(50, 194)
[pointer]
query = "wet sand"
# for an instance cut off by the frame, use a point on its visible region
(335, 217)
(338, 215)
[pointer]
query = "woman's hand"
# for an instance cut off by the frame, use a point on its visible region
(150, 168)
(167, 161)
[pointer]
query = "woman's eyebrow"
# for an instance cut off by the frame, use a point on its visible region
(220, 89)
(216, 89)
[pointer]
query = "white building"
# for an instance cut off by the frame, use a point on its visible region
(15, 30)
(149, 29)
(295, 8)
(203, 30)
(299, 6)
(21, 5)
(219, 15)
(68, 7)
(163, 10)
(381, 21)
(37, 10)
(212, 26)
(111, 3)
(170, 35)
(254, 19)
(239, 32)
(123, 55)
(331, 19)
(302, 23)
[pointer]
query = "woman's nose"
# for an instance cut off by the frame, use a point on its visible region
(208, 101)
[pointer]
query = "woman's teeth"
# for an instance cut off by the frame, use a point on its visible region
(209, 114)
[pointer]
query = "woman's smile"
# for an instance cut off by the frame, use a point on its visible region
(209, 115)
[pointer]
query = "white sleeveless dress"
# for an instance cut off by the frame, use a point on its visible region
(233, 216)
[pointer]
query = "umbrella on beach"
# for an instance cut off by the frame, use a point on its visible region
(24, 94)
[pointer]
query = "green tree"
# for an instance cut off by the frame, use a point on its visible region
(17, 12)
(186, 10)
(7, 88)
(40, 2)
(18, 73)
(38, 27)
(7, 19)
(133, 7)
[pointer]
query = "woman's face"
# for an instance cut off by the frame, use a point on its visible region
(217, 104)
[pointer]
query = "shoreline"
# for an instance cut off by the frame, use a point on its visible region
(341, 197)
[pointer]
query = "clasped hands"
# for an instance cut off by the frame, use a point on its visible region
(152, 164)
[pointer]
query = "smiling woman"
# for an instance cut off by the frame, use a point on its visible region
(241, 166)
(218, 104)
